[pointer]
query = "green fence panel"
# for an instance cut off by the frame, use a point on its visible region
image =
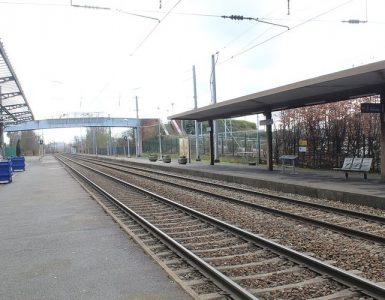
(10, 151)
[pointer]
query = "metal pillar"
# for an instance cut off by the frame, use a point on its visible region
(128, 143)
(258, 145)
(382, 129)
(109, 142)
(197, 157)
(269, 136)
(2, 150)
(212, 157)
(138, 139)
(94, 141)
(160, 141)
(214, 100)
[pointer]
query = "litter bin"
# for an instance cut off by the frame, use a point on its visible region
(18, 163)
(6, 171)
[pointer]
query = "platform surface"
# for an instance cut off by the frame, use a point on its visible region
(58, 243)
(327, 184)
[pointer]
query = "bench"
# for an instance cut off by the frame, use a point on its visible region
(288, 161)
(356, 164)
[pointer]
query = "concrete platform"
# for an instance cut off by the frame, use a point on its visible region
(326, 184)
(57, 243)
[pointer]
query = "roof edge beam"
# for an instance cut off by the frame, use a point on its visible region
(10, 95)
(6, 79)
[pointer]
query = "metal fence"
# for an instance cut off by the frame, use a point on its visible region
(246, 144)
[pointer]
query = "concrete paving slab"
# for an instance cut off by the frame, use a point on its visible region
(57, 243)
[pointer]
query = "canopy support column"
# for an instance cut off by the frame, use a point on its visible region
(382, 129)
(1, 127)
(269, 137)
(212, 150)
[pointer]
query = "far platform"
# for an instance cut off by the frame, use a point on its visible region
(326, 184)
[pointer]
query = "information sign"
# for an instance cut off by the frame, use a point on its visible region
(266, 122)
(372, 108)
(183, 147)
(302, 145)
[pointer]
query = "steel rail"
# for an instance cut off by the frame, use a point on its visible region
(334, 227)
(327, 208)
(361, 284)
(222, 281)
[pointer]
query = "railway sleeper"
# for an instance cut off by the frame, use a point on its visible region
(196, 233)
(208, 244)
(186, 219)
(213, 259)
(301, 284)
(340, 295)
(253, 264)
(224, 248)
(161, 214)
(184, 225)
(181, 229)
(171, 261)
(213, 296)
(265, 275)
(187, 238)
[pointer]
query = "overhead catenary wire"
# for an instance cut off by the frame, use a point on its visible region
(32, 3)
(154, 28)
(227, 44)
(137, 15)
(283, 32)
(247, 30)
(241, 18)
(89, 6)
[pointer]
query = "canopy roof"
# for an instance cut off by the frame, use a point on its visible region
(14, 106)
(352, 83)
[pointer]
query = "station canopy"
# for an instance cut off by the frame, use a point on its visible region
(14, 106)
(356, 82)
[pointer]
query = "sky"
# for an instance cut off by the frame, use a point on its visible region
(72, 59)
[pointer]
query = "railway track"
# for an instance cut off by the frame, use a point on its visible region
(242, 265)
(352, 223)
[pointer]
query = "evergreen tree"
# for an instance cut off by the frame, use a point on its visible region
(18, 150)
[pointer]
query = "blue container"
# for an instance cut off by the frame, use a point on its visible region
(18, 163)
(6, 171)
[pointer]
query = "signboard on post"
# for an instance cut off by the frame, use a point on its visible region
(302, 146)
(372, 108)
(183, 147)
(266, 122)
